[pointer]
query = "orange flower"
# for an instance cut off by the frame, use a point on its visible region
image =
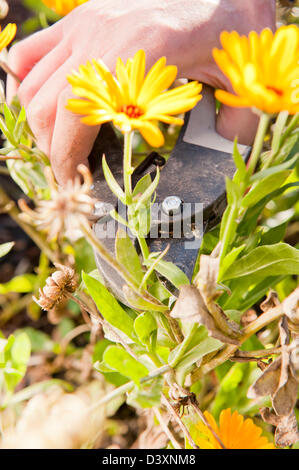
(263, 69)
(132, 100)
(233, 431)
(63, 7)
(7, 35)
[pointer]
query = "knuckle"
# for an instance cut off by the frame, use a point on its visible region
(38, 115)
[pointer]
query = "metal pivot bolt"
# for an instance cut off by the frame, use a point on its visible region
(101, 209)
(172, 205)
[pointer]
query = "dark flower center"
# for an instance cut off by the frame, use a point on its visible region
(131, 110)
(276, 90)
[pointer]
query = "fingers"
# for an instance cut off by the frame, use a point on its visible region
(25, 54)
(41, 110)
(41, 72)
(237, 122)
(72, 141)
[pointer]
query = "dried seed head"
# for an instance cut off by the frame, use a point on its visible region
(57, 288)
(68, 209)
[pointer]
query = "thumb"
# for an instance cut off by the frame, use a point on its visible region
(237, 122)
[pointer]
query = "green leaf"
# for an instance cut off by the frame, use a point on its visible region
(171, 272)
(288, 148)
(148, 395)
(145, 324)
(119, 359)
(233, 389)
(10, 120)
(139, 303)
(264, 187)
(5, 248)
(268, 260)
(112, 183)
(229, 260)
(280, 123)
(250, 219)
(275, 169)
(142, 185)
(241, 172)
(19, 127)
(39, 340)
(24, 283)
(273, 235)
(146, 196)
(21, 350)
(206, 346)
(229, 223)
(127, 255)
(109, 307)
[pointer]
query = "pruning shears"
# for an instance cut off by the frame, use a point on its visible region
(191, 192)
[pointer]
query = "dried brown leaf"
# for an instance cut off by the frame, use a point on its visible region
(279, 379)
(206, 283)
(284, 399)
(270, 302)
(286, 433)
(268, 382)
(291, 307)
(191, 307)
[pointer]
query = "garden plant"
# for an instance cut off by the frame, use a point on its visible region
(207, 364)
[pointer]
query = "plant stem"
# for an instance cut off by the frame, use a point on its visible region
(128, 386)
(127, 166)
(143, 247)
(229, 350)
(97, 316)
(117, 266)
(206, 423)
(31, 232)
(166, 429)
(259, 142)
(183, 346)
(8, 70)
(179, 421)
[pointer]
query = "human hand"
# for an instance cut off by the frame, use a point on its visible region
(182, 30)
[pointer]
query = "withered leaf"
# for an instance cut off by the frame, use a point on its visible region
(286, 433)
(279, 379)
(268, 382)
(291, 307)
(284, 399)
(191, 307)
(206, 283)
(270, 302)
(207, 276)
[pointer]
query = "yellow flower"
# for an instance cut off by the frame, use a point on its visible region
(7, 35)
(63, 7)
(233, 431)
(132, 100)
(263, 69)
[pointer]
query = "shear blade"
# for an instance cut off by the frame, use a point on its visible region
(195, 173)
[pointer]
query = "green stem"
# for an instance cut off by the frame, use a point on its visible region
(229, 350)
(259, 142)
(278, 131)
(143, 247)
(117, 266)
(183, 347)
(128, 166)
(128, 386)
